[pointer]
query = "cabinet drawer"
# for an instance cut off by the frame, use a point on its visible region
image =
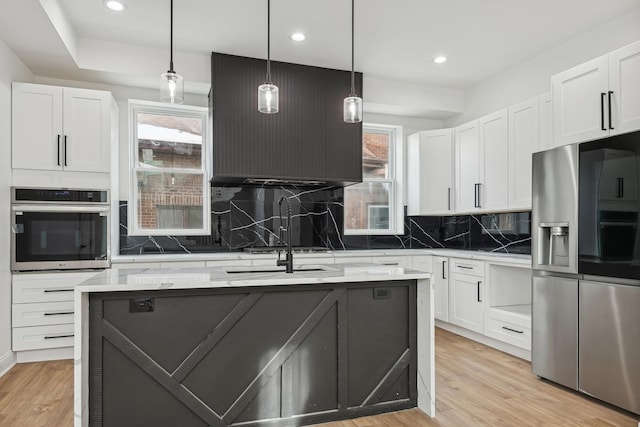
(402, 261)
(41, 314)
(41, 337)
(350, 259)
(511, 331)
(42, 291)
(467, 266)
(423, 263)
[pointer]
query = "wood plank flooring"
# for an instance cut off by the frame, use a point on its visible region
(475, 386)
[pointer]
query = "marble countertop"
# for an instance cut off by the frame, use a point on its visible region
(220, 256)
(136, 279)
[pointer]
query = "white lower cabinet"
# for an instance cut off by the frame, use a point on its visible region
(511, 327)
(42, 309)
(42, 337)
(507, 315)
(441, 287)
(466, 302)
(490, 298)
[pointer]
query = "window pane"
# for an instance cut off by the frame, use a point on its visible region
(169, 141)
(375, 154)
(169, 200)
(367, 206)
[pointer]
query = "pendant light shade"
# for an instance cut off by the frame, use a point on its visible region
(268, 92)
(352, 103)
(172, 83)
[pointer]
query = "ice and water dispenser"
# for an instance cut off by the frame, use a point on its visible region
(554, 244)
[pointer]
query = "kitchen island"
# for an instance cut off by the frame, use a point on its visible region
(252, 345)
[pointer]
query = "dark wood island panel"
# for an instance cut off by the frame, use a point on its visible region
(252, 356)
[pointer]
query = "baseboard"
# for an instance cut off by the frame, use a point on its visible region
(44, 355)
(483, 339)
(6, 362)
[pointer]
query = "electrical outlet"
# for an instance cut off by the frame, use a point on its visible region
(140, 305)
(381, 293)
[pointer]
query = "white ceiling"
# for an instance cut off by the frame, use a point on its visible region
(395, 40)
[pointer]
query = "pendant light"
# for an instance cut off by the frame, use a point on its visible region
(352, 103)
(268, 92)
(172, 86)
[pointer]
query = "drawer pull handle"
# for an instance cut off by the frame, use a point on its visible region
(58, 290)
(466, 267)
(51, 337)
(513, 330)
(390, 263)
(59, 314)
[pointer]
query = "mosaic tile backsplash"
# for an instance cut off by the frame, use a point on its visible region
(247, 217)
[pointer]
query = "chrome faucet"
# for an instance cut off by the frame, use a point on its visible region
(288, 261)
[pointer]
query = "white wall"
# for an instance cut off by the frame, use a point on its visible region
(11, 69)
(533, 77)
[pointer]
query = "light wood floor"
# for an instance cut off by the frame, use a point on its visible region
(475, 386)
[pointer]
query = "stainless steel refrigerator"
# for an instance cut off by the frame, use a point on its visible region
(554, 227)
(586, 262)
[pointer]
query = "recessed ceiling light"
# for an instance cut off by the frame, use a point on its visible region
(440, 59)
(297, 37)
(115, 5)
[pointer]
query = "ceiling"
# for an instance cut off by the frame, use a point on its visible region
(394, 40)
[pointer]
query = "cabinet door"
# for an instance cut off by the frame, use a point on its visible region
(523, 142)
(545, 115)
(465, 301)
(87, 130)
(494, 160)
(624, 84)
(579, 102)
(430, 173)
(441, 285)
(36, 127)
(467, 153)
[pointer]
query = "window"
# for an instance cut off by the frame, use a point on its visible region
(375, 205)
(169, 182)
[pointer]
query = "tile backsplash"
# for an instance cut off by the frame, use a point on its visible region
(245, 217)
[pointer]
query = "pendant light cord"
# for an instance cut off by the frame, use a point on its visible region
(268, 41)
(353, 84)
(171, 41)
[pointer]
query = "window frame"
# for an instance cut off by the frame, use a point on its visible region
(394, 179)
(138, 106)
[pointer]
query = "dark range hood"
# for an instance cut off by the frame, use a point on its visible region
(306, 143)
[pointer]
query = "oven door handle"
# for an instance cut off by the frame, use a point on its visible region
(61, 208)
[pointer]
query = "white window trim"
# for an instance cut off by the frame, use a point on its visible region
(136, 106)
(396, 205)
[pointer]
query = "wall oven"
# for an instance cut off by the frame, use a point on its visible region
(59, 229)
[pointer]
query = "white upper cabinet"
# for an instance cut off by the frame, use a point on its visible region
(598, 98)
(494, 161)
(523, 142)
(624, 84)
(579, 100)
(56, 128)
(467, 168)
(545, 116)
(430, 173)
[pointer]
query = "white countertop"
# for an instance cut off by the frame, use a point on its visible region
(136, 279)
(222, 256)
